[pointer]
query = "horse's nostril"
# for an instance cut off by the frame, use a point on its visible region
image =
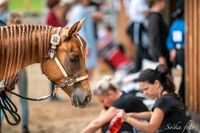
(80, 99)
(87, 99)
(75, 100)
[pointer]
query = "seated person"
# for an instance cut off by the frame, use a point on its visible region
(112, 99)
(168, 113)
(112, 53)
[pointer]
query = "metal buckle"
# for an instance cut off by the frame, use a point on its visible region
(55, 39)
(69, 81)
(51, 53)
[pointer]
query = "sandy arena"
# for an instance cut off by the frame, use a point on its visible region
(48, 116)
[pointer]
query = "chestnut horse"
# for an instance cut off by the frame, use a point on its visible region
(61, 52)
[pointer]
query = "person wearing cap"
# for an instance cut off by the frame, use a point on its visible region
(113, 99)
(4, 14)
(176, 42)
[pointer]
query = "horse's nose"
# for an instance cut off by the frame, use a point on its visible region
(80, 99)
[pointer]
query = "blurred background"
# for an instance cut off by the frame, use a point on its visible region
(111, 20)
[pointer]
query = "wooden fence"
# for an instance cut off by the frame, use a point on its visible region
(192, 57)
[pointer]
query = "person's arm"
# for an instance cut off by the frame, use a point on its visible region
(102, 113)
(141, 115)
(97, 16)
(170, 43)
(99, 131)
(100, 121)
(150, 127)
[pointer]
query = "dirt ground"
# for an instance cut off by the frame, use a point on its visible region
(48, 116)
(52, 116)
(55, 117)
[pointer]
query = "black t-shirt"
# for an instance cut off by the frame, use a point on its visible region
(174, 120)
(129, 103)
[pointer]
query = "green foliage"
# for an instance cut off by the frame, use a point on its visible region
(36, 6)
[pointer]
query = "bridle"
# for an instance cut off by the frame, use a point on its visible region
(68, 81)
(7, 106)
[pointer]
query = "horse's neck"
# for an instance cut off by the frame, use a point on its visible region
(40, 45)
(21, 46)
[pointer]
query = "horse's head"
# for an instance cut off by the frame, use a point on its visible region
(67, 64)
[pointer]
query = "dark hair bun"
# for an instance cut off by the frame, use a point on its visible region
(162, 69)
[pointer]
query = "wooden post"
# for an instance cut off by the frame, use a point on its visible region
(121, 31)
(192, 58)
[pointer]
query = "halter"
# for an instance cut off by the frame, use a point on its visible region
(8, 107)
(55, 40)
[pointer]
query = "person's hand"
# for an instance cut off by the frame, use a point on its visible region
(172, 55)
(97, 16)
(162, 60)
(146, 13)
(122, 113)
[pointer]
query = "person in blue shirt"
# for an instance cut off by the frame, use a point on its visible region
(4, 13)
(78, 11)
(176, 41)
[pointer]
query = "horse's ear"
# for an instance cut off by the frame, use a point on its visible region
(73, 29)
(76, 27)
(80, 24)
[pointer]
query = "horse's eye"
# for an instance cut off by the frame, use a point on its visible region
(74, 58)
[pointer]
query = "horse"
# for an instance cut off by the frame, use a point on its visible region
(60, 51)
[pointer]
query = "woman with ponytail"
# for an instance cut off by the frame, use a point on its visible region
(168, 113)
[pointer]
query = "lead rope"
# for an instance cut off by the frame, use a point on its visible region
(9, 109)
(53, 92)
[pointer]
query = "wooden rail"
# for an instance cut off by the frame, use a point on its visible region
(192, 55)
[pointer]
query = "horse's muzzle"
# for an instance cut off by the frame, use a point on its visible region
(80, 98)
